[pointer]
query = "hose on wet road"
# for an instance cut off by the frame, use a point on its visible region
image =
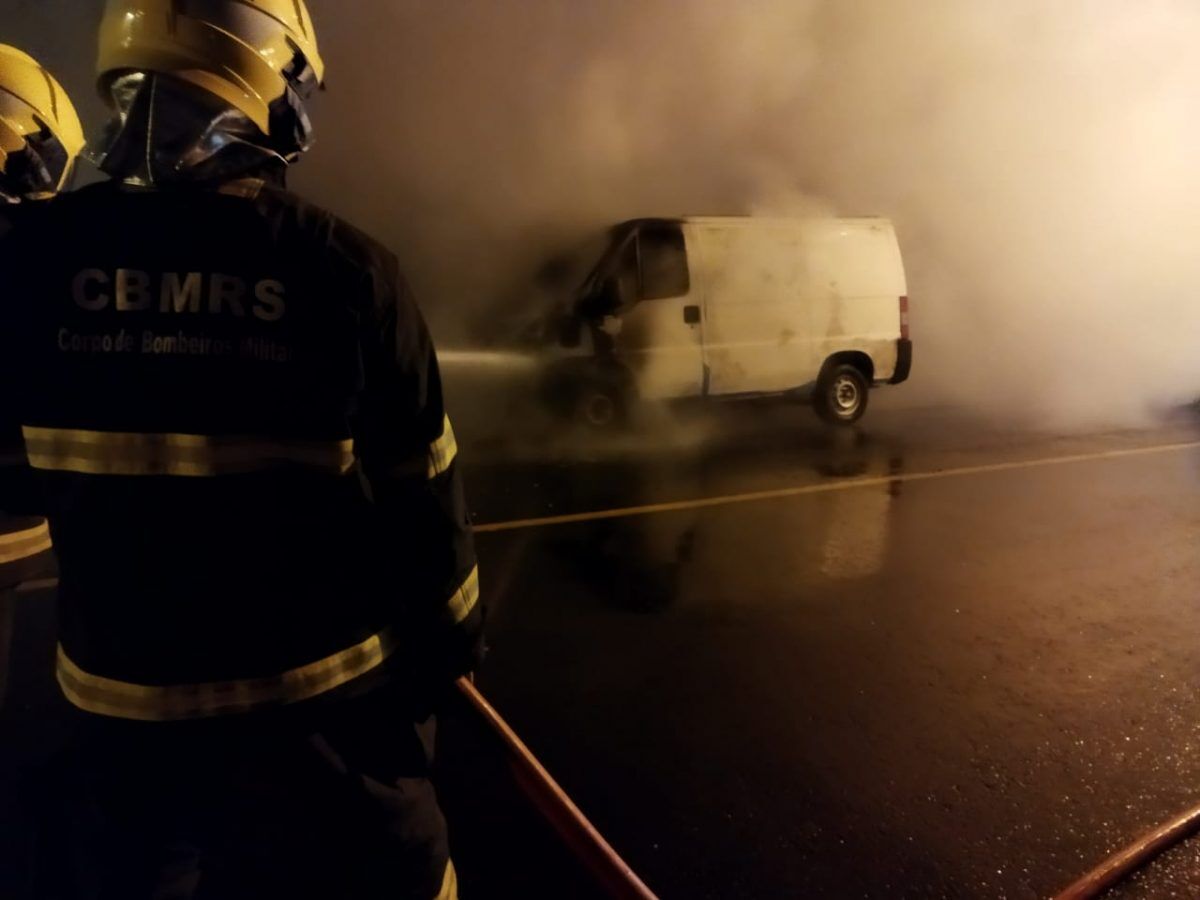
(588, 846)
(1125, 862)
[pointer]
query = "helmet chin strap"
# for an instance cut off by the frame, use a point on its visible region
(168, 131)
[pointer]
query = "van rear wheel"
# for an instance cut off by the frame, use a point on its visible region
(841, 397)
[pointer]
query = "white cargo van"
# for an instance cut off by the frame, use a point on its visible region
(731, 308)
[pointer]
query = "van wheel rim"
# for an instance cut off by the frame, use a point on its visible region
(599, 410)
(846, 396)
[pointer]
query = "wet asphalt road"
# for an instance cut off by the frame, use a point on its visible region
(971, 675)
(940, 659)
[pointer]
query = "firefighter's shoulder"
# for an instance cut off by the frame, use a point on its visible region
(37, 227)
(342, 244)
(16, 216)
(8, 218)
(17, 221)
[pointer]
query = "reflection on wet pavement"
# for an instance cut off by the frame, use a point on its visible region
(965, 687)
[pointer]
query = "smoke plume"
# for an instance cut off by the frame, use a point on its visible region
(1039, 159)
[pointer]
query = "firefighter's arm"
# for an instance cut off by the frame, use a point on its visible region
(406, 443)
(17, 495)
(15, 488)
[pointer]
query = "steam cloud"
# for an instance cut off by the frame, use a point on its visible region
(1041, 160)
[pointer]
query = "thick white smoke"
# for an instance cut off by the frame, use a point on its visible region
(1041, 159)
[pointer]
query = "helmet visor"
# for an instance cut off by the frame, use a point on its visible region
(43, 165)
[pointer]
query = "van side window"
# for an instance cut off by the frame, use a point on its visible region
(663, 262)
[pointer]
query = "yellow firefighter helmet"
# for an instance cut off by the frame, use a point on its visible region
(247, 52)
(36, 115)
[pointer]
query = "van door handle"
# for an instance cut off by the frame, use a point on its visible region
(691, 315)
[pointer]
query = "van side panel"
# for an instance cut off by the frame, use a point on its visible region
(856, 279)
(756, 332)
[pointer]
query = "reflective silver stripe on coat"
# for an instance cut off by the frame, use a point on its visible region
(18, 545)
(191, 455)
(436, 459)
(464, 599)
(150, 703)
(443, 451)
(126, 700)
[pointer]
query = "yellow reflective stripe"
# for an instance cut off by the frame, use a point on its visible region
(125, 453)
(23, 544)
(37, 584)
(121, 699)
(436, 459)
(449, 889)
(465, 598)
(443, 451)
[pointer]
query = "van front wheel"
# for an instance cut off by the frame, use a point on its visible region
(841, 397)
(602, 402)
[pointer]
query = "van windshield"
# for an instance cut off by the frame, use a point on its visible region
(618, 237)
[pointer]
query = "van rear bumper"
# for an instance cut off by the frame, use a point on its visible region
(903, 361)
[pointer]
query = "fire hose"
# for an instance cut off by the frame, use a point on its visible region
(586, 843)
(1125, 862)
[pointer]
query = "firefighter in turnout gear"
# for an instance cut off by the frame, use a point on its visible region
(40, 137)
(233, 409)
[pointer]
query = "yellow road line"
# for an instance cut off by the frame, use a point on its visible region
(847, 484)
